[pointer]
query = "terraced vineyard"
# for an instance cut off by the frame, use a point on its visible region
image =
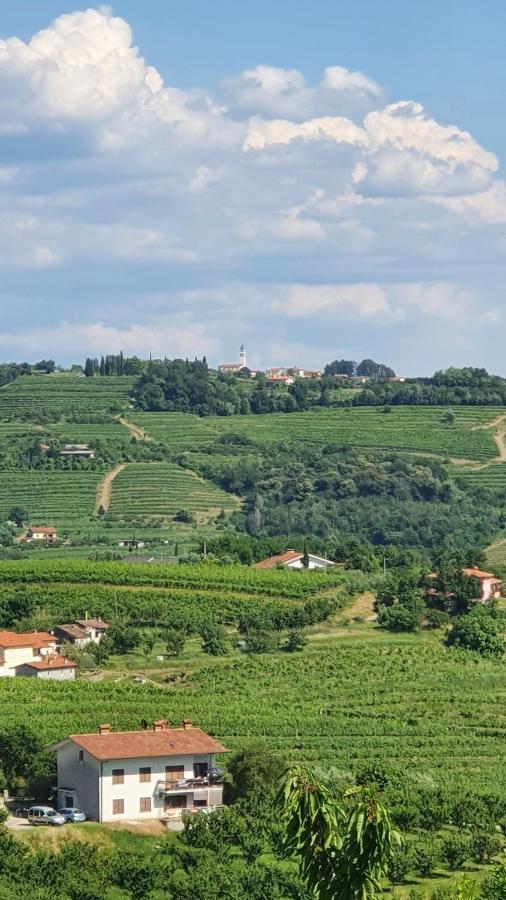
(492, 477)
(160, 490)
(60, 498)
(49, 397)
(408, 428)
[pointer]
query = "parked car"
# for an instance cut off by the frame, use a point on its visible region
(44, 815)
(72, 814)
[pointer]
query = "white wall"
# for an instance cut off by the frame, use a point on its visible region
(81, 777)
(132, 789)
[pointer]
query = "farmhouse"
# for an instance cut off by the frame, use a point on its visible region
(79, 451)
(45, 533)
(490, 586)
(50, 668)
(131, 543)
(33, 653)
(158, 773)
(81, 632)
(293, 559)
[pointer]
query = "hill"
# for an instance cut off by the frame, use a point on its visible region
(150, 467)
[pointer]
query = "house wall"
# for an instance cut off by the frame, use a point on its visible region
(489, 589)
(133, 789)
(66, 674)
(80, 778)
(12, 657)
(314, 563)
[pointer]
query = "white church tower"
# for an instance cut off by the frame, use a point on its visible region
(242, 356)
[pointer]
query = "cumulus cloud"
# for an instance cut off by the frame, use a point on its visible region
(276, 92)
(273, 205)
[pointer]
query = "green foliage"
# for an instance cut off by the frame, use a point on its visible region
(479, 631)
(253, 772)
(175, 640)
(343, 854)
(494, 884)
(122, 637)
(215, 640)
(455, 850)
(295, 642)
(427, 855)
(484, 846)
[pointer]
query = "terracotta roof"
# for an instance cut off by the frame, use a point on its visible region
(52, 662)
(140, 744)
(477, 573)
(92, 623)
(27, 639)
(42, 529)
(281, 558)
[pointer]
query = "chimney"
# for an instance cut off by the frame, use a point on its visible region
(160, 725)
(187, 724)
(104, 729)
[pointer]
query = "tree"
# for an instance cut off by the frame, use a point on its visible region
(484, 846)
(343, 855)
(400, 864)
(455, 851)
(122, 637)
(494, 885)
(295, 642)
(147, 643)
(341, 367)
(214, 640)
(478, 631)
(259, 640)
(254, 771)
(175, 639)
(399, 618)
(305, 556)
(18, 515)
(427, 854)
(19, 748)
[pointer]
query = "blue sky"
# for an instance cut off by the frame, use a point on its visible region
(317, 179)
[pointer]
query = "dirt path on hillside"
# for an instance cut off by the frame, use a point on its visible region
(135, 430)
(104, 489)
(361, 607)
(499, 438)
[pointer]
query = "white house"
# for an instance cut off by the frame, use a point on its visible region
(18, 649)
(293, 559)
(49, 668)
(45, 533)
(157, 773)
(490, 587)
(81, 632)
(77, 451)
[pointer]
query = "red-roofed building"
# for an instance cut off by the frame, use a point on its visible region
(293, 559)
(50, 668)
(490, 586)
(18, 649)
(157, 773)
(45, 533)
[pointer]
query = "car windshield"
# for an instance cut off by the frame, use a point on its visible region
(76, 811)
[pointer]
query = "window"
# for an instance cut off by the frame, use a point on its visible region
(69, 801)
(200, 802)
(177, 802)
(174, 773)
(200, 770)
(118, 776)
(145, 774)
(118, 807)
(145, 804)
(81, 756)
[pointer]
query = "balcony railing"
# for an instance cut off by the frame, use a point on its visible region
(188, 784)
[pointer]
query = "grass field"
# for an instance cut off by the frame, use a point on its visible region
(404, 428)
(160, 490)
(48, 397)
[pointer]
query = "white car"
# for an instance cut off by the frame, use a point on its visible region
(44, 815)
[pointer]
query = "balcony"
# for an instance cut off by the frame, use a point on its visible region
(186, 785)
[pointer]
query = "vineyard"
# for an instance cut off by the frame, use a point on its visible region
(160, 490)
(240, 579)
(50, 397)
(62, 498)
(413, 705)
(408, 428)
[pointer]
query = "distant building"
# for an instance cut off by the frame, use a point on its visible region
(293, 559)
(131, 543)
(81, 632)
(490, 586)
(33, 653)
(79, 451)
(234, 368)
(51, 668)
(45, 533)
(158, 773)
(136, 558)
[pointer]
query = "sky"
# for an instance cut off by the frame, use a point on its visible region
(316, 180)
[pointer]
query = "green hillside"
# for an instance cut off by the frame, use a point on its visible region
(403, 428)
(159, 490)
(49, 397)
(63, 499)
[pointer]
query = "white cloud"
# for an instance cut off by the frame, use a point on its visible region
(262, 133)
(337, 78)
